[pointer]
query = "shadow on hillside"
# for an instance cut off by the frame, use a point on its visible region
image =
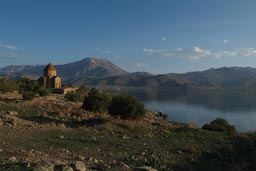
(92, 122)
(16, 166)
(240, 155)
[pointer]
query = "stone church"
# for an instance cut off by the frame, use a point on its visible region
(50, 79)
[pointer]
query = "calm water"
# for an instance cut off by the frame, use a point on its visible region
(200, 107)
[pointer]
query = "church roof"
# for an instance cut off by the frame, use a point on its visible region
(50, 67)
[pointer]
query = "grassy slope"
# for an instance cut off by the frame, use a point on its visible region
(114, 142)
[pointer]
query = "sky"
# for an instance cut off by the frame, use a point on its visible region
(157, 36)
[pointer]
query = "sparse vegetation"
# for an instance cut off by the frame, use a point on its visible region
(57, 130)
(220, 125)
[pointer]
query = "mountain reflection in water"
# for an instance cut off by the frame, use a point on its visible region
(199, 107)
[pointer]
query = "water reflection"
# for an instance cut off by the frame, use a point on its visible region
(200, 107)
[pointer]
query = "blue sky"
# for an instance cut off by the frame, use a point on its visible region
(158, 36)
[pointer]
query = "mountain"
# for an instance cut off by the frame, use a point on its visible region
(221, 78)
(85, 68)
(101, 72)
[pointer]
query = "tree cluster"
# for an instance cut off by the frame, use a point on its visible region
(125, 106)
(28, 88)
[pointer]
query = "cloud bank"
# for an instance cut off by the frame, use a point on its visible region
(197, 53)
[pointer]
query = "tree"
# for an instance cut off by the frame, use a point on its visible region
(220, 125)
(128, 107)
(97, 101)
(27, 85)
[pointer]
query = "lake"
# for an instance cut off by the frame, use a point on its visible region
(200, 107)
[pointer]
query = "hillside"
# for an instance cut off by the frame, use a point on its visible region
(49, 133)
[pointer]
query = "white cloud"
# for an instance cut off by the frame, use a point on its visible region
(97, 49)
(163, 38)
(225, 41)
(154, 51)
(10, 47)
(138, 64)
(197, 53)
(9, 56)
(108, 51)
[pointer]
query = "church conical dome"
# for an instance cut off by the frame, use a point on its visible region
(50, 67)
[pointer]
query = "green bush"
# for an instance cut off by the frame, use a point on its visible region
(44, 91)
(77, 96)
(165, 117)
(7, 85)
(28, 95)
(220, 125)
(128, 107)
(97, 101)
(27, 85)
(74, 96)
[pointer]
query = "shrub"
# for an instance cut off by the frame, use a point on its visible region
(128, 107)
(97, 101)
(220, 125)
(28, 95)
(27, 85)
(165, 117)
(44, 92)
(7, 85)
(77, 96)
(74, 96)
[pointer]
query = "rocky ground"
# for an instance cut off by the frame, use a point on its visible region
(50, 134)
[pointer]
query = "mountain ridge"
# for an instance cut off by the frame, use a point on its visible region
(101, 72)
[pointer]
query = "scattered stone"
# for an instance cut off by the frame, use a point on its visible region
(62, 126)
(96, 161)
(78, 166)
(179, 152)
(48, 167)
(12, 159)
(41, 168)
(66, 168)
(66, 150)
(125, 165)
(12, 112)
(61, 136)
(28, 165)
(80, 157)
(144, 168)
(1, 150)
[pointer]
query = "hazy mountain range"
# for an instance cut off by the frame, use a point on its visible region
(101, 72)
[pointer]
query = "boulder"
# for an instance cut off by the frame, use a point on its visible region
(78, 166)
